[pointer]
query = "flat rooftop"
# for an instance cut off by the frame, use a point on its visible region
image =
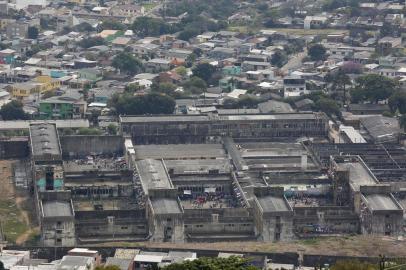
(22, 124)
(106, 204)
(206, 118)
(214, 204)
(359, 175)
(270, 149)
(198, 179)
(179, 151)
(166, 206)
(56, 209)
(95, 164)
(380, 202)
(153, 174)
(44, 140)
(273, 203)
(198, 166)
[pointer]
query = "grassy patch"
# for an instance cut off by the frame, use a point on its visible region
(11, 221)
(310, 241)
(149, 6)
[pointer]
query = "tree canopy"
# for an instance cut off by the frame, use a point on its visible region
(154, 103)
(126, 62)
(204, 71)
(279, 58)
(91, 42)
(317, 52)
(373, 88)
(13, 111)
(397, 102)
(217, 9)
(195, 85)
(111, 25)
(232, 263)
(148, 26)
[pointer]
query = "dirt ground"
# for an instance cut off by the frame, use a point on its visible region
(14, 208)
(338, 246)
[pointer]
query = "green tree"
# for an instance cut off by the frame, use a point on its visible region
(164, 88)
(13, 111)
(339, 84)
(83, 27)
(91, 42)
(111, 25)
(32, 32)
(154, 103)
(189, 33)
(373, 87)
(195, 85)
(232, 263)
(112, 129)
(317, 52)
(182, 71)
(204, 71)
(279, 58)
(397, 102)
(148, 26)
(388, 29)
(328, 106)
(128, 63)
(402, 122)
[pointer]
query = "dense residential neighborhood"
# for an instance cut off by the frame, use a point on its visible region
(165, 125)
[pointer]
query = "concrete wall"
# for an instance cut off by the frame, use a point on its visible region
(83, 145)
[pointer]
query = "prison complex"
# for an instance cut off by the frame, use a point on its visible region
(182, 178)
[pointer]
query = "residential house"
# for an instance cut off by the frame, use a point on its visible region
(227, 84)
(62, 107)
(231, 71)
(294, 86)
(364, 109)
(180, 44)
(18, 29)
(84, 63)
(205, 37)
(221, 53)
(387, 44)
(341, 52)
(128, 10)
(91, 74)
(145, 49)
(252, 65)
(158, 65)
(178, 54)
(39, 85)
(314, 22)
(121, 42)
(7, 56)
